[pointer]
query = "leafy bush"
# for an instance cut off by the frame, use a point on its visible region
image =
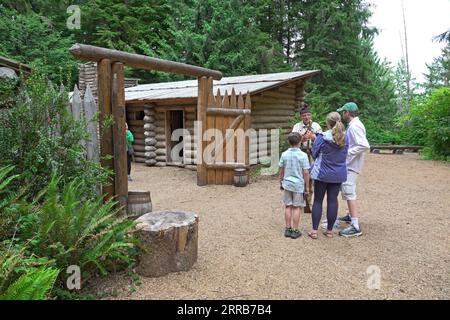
(23, 278)
(71, 230)
(40, 138)
(428, 123)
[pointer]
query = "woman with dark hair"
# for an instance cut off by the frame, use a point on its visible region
(329, 171)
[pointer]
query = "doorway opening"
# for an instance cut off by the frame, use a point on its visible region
(175, 150)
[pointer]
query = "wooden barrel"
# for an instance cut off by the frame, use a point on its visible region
(139, 203)
(240, 178)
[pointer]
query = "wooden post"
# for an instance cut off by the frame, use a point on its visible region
(119, 133)
(203, 91)
(104, 106)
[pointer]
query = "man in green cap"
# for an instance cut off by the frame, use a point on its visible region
(358, 145)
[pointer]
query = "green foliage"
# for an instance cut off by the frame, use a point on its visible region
(33, 285)
(439, 71)
(428, 123)
(8, 88)
(75, 231)
(40, 137)
(24, 278)
(31, 39)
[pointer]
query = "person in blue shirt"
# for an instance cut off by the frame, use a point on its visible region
(294, 180)
(329, 171)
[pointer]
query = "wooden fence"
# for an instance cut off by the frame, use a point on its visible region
(85, 109)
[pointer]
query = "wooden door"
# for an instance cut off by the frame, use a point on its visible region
(226, 134)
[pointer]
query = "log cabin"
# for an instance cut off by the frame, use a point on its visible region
(154, 111)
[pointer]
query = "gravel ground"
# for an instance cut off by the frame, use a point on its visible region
(404, 204)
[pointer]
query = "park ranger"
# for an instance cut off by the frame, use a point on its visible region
(308, 131)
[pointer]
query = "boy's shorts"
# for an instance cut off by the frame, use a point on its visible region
(295, 199)
(348, 188)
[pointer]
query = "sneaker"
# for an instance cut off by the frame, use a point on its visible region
(129, 178)
(347, 218)
(350, 231)
(287, 232)
(324, 225)
(295, 233)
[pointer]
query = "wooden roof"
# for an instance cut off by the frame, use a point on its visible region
(188, 89)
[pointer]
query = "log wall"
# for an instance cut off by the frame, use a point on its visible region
(272, 109)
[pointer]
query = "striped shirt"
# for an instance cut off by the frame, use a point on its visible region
(294, 161)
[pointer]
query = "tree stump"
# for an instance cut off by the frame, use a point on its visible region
(169, 240)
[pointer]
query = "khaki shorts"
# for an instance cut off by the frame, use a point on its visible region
(293, 199)
(348, 188)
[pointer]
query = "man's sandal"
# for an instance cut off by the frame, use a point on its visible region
(312, 235)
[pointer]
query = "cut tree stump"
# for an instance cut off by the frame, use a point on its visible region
(169, 242)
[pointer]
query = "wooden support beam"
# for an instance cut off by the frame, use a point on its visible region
(204, 87)
(104, 106)
(93, 53)
(119, 136)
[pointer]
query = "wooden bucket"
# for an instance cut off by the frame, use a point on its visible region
(139, 203)
(240, 178)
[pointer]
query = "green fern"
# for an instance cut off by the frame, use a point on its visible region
(33, 285)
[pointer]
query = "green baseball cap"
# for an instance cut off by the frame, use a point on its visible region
(349, 106)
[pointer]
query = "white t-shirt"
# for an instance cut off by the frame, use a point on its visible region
(301, 128)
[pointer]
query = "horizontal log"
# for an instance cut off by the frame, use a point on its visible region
(160, 130)
(160, 152)
(139, 154)
(150, 141)
(139, 135)
(160, 137)
(138, 147)
(160, 158)
(137, 123)
(150, 148)
(273, 106)
(150, 155)
(92, 53)
(278, 95)
(160, 164)
(272, 112)
(149, 119)
(150, 134)
(223, 165)
(226, 111)
(175, 107)
(267, 100)
(139, 159)
(270, 126)
(150, 162)
(139, 142)
(160, 145)
(149, 127)
(269, 119)
(285, 90)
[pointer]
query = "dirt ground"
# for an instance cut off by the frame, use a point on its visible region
(405, 210)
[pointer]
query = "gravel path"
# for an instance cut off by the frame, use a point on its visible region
(404, 204)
